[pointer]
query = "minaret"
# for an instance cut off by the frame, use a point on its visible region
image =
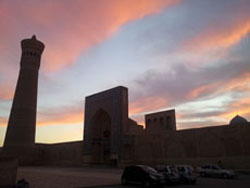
(21, 128)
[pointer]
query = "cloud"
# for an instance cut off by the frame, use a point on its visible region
(180, 85)
(65, 118)
(196, 33)
(60, 115)
(3, 121)
(239, 84)
(185, 84)
(6, 91)
(67, 28)
(188, 115)
(238, 107)
(217, 36)
(198, 124)
(212, 35)
(147, 104)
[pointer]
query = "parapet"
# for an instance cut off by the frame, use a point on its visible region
(161, 121)
(109, 92)
(32, 44)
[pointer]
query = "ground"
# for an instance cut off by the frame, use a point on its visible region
(56, 177)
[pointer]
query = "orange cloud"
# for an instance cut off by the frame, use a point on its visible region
(240, 107)
(242, 102)
(68, 28)
(55, 117)
(216, 37)
(66, 118)
(240, 83)
(244, 111)
(3, 121)
(6, 92)
(147, 104)
(200, 90)
(228, 38)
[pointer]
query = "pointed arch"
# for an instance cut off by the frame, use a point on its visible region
(101, 125)
(101, 136)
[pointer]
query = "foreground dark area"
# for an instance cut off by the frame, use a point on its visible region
(58, 177)
(243, 182)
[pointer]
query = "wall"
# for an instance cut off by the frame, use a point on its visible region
(69, 153)
(160, 121)
(134, 128)
(8, 171)
(229, 143)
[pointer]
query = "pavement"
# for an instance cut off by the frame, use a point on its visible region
(242, 182)
(88, 177)
(56, 177)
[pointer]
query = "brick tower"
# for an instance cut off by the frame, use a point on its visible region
(20, 135)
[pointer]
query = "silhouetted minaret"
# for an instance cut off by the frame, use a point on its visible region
(22, 121)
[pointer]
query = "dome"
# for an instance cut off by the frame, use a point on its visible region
(237, 120)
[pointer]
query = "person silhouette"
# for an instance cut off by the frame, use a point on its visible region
(22, 183)
(220, 164)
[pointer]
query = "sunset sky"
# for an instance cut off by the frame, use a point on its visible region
(190, 55)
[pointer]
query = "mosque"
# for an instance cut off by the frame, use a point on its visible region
(111, 137)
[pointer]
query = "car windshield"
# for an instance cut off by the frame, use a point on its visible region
(172, 169)
(149, 169)
(215, 167)
(159, 168)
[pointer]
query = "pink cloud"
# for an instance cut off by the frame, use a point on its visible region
(147, 104)
(239, 83)
(218, 35)
(214, 41)
(203, 89)
(62, 115)
(62, 119)
(68, 28)
(6, 91)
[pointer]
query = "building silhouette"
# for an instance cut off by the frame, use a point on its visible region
(20, 135)
(111, 137)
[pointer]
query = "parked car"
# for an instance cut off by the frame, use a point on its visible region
(215, 171)
(170, 174)
(142, 175)
(186, 174)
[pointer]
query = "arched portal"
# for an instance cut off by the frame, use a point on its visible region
(105, 122)
(101, 137)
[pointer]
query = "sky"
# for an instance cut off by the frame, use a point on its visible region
(189, 55)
